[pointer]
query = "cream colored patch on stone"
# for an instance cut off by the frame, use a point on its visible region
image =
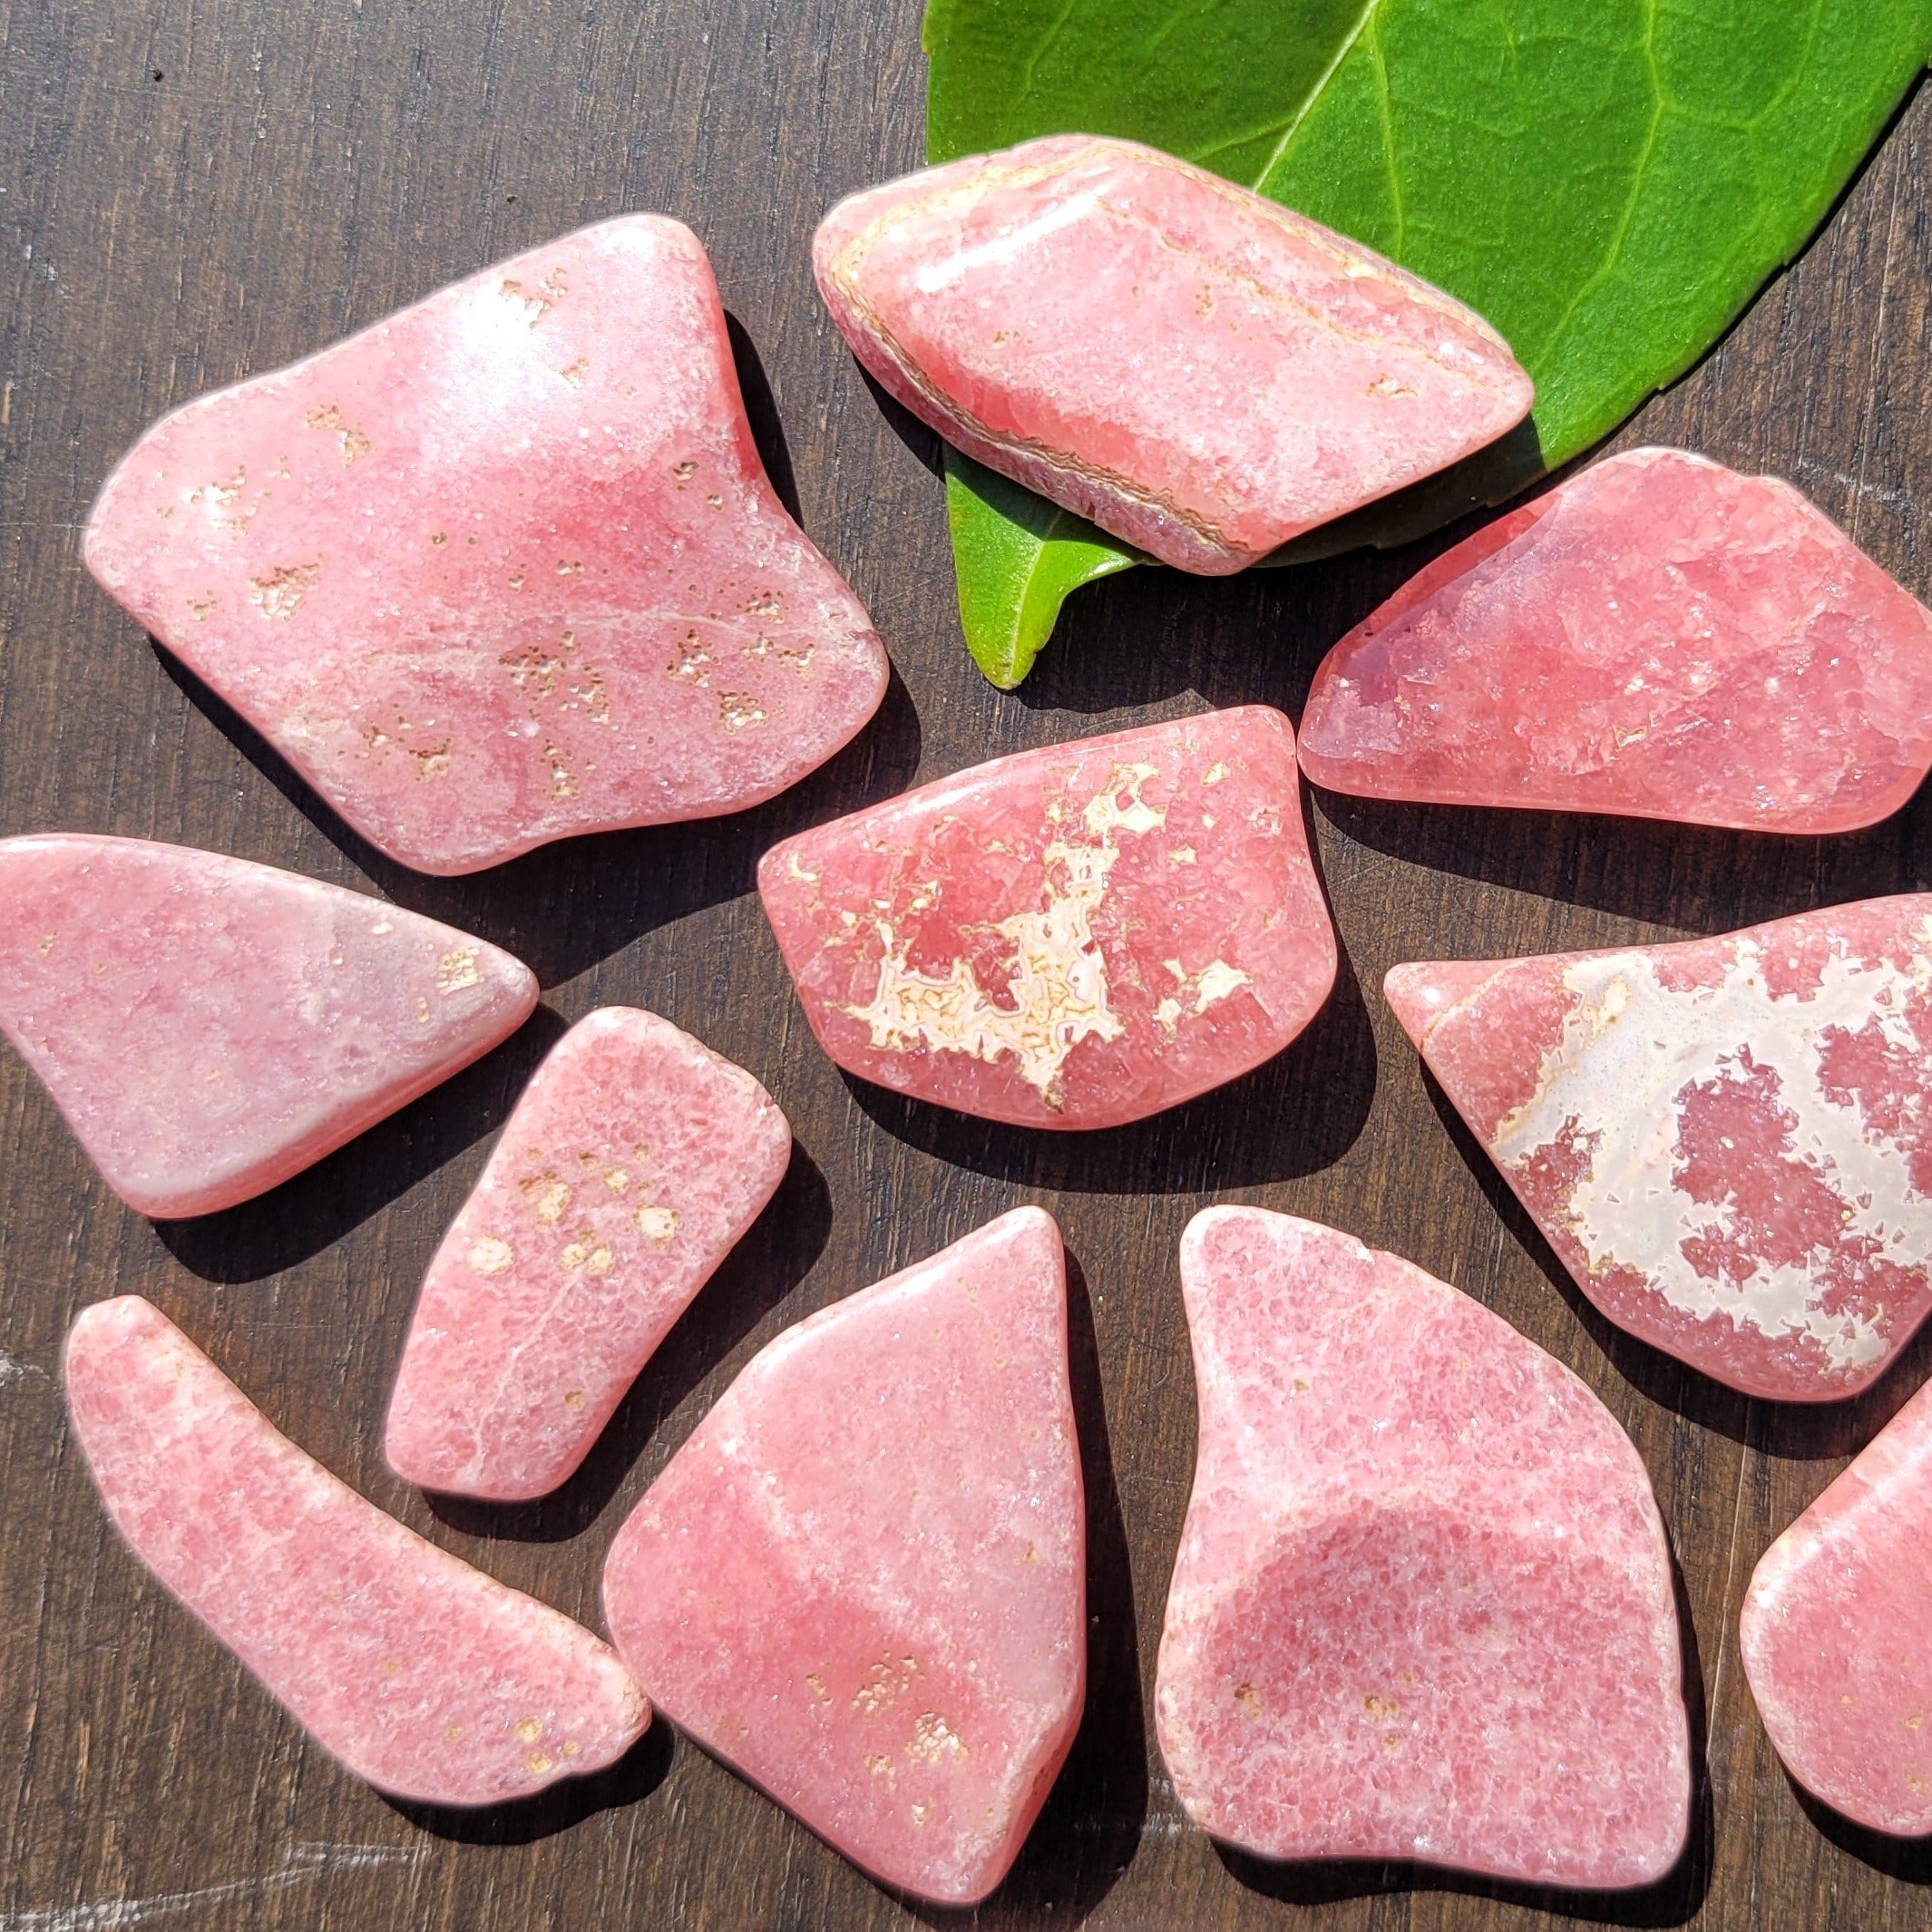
(457, 970)
(1213, 982)
(278, 593)
(658, 1224)
(934, 1740)
(489, 1255)
(349, 439)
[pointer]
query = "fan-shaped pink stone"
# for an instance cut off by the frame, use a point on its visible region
(634, 1161)
(1659, 637)
(1728, 1141)
(861, 1581)
(1072, 937)
(1199, 370)
(503, 567)
(422, 1675)
(210, 1027)
(1422, 1608)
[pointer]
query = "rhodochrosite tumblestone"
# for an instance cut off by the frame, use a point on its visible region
(861, 1581)
(1728, 1141)
(425, 1676)
(1660, 637)
(633, 1161)
(1422, 1608)
(1200, 371)
(1072, 937)
(505, 566)
(1835, 1644)
(209, 1026)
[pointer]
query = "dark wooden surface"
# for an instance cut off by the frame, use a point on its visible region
(192, 191)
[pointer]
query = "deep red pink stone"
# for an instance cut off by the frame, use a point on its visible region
(209, 1026)
(1836, 1642)
(505, 566)
(1073, 937)
(1728, 1141)
(1202, 372)
(861, 1581)
(632, 1163)
(1659, 637)
(422, 1675)
(1422, 1608)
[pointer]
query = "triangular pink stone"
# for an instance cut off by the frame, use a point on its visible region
(1422, 1608)
(210, 1027)
(1659, 637)
(503, 567)
(634, 1161)
(861, 1581)
(1728, 1141)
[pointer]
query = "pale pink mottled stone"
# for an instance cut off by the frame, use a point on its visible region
(1072, 937)
(1202, 372)
(1728, 1141)
(422, 1675)
(503, 567)
(1660, 638)
(634, 1161)
(861, 1581)
(1422, 1608)
(209, 1026)
(1835, 1637)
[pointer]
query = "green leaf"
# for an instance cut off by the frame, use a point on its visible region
(1608, 182)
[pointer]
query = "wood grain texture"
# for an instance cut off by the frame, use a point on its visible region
(192, 191)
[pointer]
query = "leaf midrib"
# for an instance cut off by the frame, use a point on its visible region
(1369, 10)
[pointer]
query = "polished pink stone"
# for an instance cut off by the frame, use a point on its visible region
(422, 1675)
(861, 1581)
(1422, 1608)
(1659, 637)
(1836, 1641)
(505, 566)
(1202, 372)
(1728, 1141)
(210, 1027)
(1072, 937)
(633, 1161)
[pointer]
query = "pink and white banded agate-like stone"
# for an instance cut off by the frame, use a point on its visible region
(633, 1161)
(1422, 1606)
(1073, 937)
(503, 567)
(1728, 1141)
(1659, 637)
(1202, 372)
(209, 1026)
(417, 1673)
(861, 1581)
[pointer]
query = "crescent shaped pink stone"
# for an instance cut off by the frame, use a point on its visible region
(210, 1027)
(505, 566)
(1422, 1606)
(417, 1673)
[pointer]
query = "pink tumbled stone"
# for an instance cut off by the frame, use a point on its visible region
(1200, 371)
(503, 567)
(861, 1582)
(1073, 937)
(209, 1026)
(422, 1675)
(634, 1161)
(1422, 1608)
(1661, 638)
(1835, 1639)
(1728, 1141)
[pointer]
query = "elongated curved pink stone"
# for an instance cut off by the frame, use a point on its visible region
(503, 567)
(1422, 1608)
(1072, 937)
(1835, 1640)
(634, 1161)
(422, 1675)
(209, 1026)
(1659, 637)
(1200, 371)
(861, 1582)
(1728, 1141)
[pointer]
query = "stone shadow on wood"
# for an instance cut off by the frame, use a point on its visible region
(1906, 1859)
